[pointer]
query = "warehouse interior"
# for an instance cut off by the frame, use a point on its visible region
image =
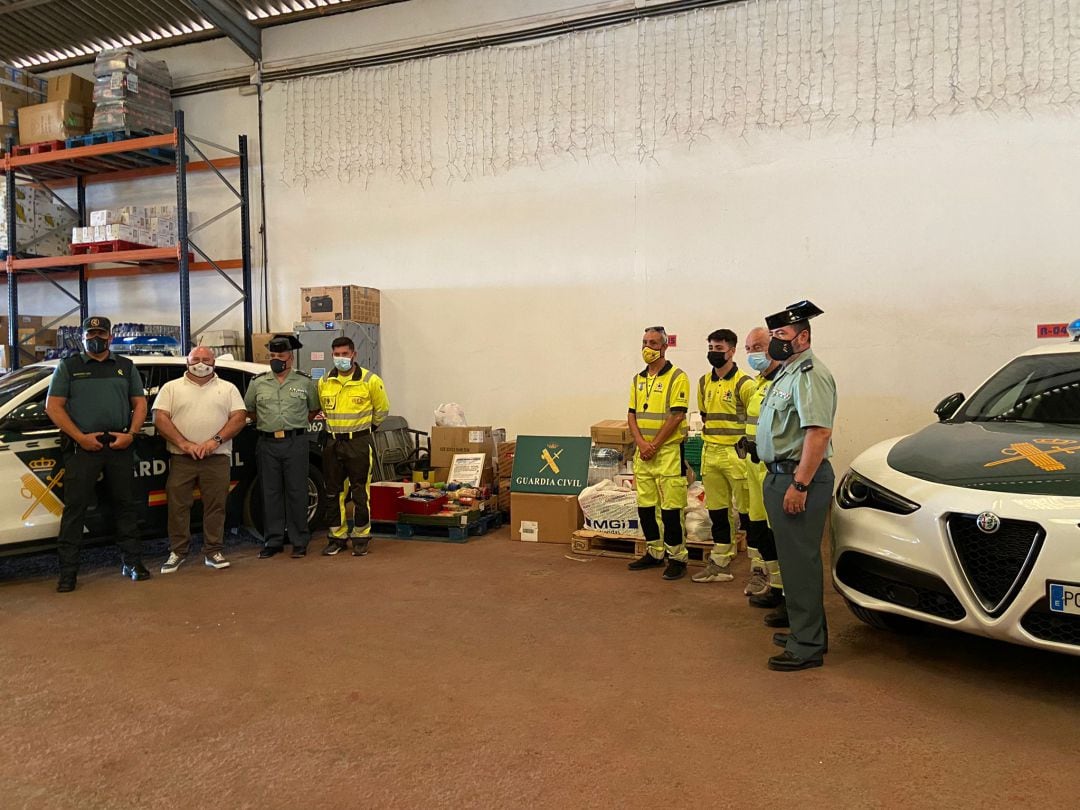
(526, 185)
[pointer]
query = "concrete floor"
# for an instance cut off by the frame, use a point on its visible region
(499, 674)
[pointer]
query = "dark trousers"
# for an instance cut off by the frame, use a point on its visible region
(283, 470)
(798, 543)
(81, 472)
(347, 459)
(212, 476)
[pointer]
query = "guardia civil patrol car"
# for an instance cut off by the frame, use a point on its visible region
(31, 470)
(974, 523)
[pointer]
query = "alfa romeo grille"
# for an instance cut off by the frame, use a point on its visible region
(995, 565)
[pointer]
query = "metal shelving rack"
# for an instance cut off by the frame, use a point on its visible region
(122, 161)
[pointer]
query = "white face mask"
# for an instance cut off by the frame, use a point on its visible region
(201, 369)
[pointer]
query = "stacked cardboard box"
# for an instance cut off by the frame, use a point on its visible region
(131, 92)
(32, 342)
(66, 112)
(18, 89)
(154, 226)
(504, 465)
(42, 223)
(342, 303)
(613, 434)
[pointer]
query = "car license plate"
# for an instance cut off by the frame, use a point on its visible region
(1064, 597)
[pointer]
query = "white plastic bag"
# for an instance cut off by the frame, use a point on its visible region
(696, 518)
(610, 508)
(450, 414)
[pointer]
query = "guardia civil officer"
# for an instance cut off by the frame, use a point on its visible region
(793, 440)
(659, 397)
(766, 587)
(354, 402)
(96, 398)
(723, 394)
(282, 402)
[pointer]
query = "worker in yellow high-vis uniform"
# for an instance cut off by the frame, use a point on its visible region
(765, 588)
(659, 398)
(723, 394)
(354, 402)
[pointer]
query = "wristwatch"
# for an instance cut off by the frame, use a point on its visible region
(217, 438)
(799, 487)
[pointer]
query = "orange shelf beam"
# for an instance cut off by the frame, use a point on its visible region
(141, 255)
(108, 272)
(150, 171)
(13, 162)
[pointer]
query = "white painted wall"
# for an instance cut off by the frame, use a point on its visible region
(933, 251)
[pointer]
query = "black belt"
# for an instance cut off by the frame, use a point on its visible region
(782, 467)
(356, 434)
(282, 434)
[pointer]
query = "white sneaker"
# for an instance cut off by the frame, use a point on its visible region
(217, 560)
(171, 564)
(758, 585)
(712, 573)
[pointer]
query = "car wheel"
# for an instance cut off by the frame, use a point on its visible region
(884, 621)
(316, 487)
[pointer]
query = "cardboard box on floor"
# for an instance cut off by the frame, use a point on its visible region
(544, 518)
(259, 352)
(52, 121)
(342, 303)
(447, 441)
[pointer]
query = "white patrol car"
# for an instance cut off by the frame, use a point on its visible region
(31, 480)
(974, 523)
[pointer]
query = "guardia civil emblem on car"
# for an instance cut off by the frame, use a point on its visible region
(988, 522)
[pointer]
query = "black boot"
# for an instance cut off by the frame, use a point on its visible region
(66, 583)
(778, 618)
(647, 561)
(136, 571)
(676, 569)
(772, 599)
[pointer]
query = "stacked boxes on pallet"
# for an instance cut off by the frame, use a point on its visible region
(152, 226)
(330, 312)
(18, 89)
(65, 114)
(42, 222)
(131, 92)
(504, 465)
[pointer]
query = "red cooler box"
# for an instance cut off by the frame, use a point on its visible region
(384, 499)
(419, 506)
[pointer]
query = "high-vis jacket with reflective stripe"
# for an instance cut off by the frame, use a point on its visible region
(722, 402)
(354, 402)
(653, 399)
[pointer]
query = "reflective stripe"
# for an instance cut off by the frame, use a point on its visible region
(721, 417)
(719, 431)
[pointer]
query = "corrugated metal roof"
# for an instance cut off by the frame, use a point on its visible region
(53, 33)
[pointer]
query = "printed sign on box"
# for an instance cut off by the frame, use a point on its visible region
(552, 465)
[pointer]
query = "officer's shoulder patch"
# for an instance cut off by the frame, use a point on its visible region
(260, 376)
(301, 373)
(807, 365)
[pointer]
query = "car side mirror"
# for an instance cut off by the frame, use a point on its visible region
(949, 406)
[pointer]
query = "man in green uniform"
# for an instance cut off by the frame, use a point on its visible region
(96, 398)
(282, 402)
(793, 440)
(659, 398)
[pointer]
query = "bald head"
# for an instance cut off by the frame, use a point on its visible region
(200, 354)
(757, 340)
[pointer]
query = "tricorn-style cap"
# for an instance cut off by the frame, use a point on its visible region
(802, 311)
(283, 343)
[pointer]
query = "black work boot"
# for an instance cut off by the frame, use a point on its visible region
(66, 583)
(646, 561)
(135, 571)
(778, 618)
(772, 599)
(676, 569)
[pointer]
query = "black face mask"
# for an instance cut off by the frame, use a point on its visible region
(717, 359)
(277, 366)
(780, 349)
(96, 345)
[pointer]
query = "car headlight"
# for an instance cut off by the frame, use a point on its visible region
(856, 492)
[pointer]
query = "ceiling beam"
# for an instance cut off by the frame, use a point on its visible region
(228, 19)
(19, 5)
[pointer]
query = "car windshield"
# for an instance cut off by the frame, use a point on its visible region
(1035, 388)
(13, 384)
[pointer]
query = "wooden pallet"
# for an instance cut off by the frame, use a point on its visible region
(36, 148)
(95, 138)
(599, 544)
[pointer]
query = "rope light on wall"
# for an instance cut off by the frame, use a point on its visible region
(630, 92)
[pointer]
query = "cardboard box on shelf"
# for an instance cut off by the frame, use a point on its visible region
(35, 321)
(25, 356)
(342, 303)
(69, 87)
(32, 336)
(612, 432)
(446, 441)
(544, 518)
(259, 352)
(52, 121)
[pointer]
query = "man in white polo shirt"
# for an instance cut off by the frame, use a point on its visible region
(198, 415)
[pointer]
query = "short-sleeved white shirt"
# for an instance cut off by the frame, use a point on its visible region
(199, 411)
